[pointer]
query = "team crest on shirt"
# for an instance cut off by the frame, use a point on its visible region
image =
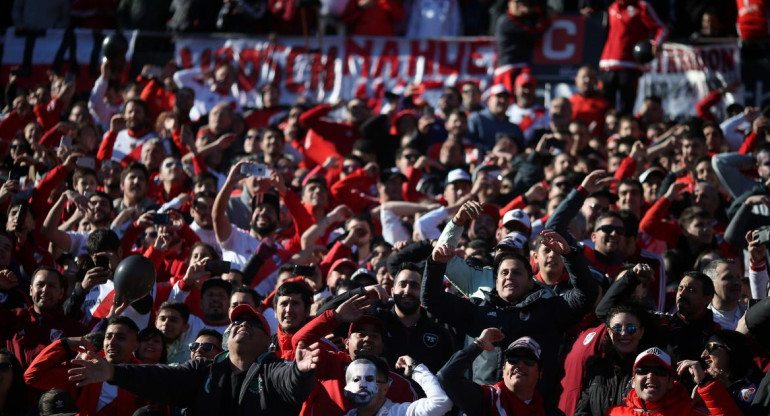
(430, 340)
(55, 334)
(747, 394)
(589, 337)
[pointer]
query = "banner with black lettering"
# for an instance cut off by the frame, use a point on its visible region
(59, 50)
(685, 74)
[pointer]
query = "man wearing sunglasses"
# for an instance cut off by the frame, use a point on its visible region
(657, 391)
(516, 394)
(208, 344)
(97, 209)
(248, 379)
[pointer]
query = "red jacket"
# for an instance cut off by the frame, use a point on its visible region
(502, 402)
(26, 333)
(629, 25)
(376, 20)
(588, 344)
(13, 125)
(589, 110)
(677, 402)
(327, 398)
(752, 19)
(343, 135)
(49, 371)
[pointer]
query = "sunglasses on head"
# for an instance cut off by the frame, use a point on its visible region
(658, 371)
(6, 366)
(515, 359)
(712, 346)
(630, 329)
(610, 228)
(203, 346)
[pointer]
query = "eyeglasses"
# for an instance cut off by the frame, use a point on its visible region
(712, 346)
(252, 322)
(514, 360)
(6, 366)
(610, 228)
(97, 202)
(658, 371)
(153, 234)
(562, 184)
(410, 156)
(169, 165)
(203, 346)
(252, 137)
(630, 329)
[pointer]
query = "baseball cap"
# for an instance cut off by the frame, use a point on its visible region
(519, 216)
(655, 170)
(495, 90)
(491, 210)
(57, 402)
(457, 175)
(363, 276)
(513, 241)
(244, 311)
(654, 354)
(343, 262)
(391, 173)
(605, 192)
(492, 169)
(364, 320)
(525, 343)
(524, 78)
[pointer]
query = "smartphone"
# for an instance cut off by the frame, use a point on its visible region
(18, 172)
(303, 270)
(762, 234)
(66, 141)
(218, 267)
(258, 170)
(103, 262)
(429, 112)
(86, 162)
(161, 219)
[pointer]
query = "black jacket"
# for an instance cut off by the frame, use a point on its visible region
(542, 315)
(606, 383)
(271, 386)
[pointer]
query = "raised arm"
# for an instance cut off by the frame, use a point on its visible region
(464, 393)
(51, 229)
(222, 226)
(570, 207)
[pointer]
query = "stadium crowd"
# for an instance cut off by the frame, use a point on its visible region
(485, 255)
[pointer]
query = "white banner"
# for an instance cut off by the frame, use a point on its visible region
(344, 67)
(685, 74)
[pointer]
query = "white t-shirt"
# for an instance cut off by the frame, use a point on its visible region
(238, 248)
(207, 236)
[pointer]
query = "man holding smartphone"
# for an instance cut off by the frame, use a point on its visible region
(97, 209)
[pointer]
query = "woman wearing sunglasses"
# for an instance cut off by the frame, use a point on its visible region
(728, 358)
(598, 369)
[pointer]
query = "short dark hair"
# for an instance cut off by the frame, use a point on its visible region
(62, 281)
(175, 305)
(510, 255)
(706, 283)
(124, 320)
(379, 364)
(639, 310)
(211, 333)
(608, 214)
(249, 291)
(135, 166)
(205, 194)
(102, 239)
(151, 332)
(692, 213)
(292, 287)
(412, 267)
(205, 176)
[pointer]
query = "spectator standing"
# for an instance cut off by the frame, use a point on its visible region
(516, 32)
(373, 17)
(484, 125)
(630, 22)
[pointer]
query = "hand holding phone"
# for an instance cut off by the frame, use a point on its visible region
(218, 267)
(161, 219)
(258, 170)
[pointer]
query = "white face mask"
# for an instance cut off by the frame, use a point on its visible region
(361, 383)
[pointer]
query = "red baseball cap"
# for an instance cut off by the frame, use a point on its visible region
(244, 311)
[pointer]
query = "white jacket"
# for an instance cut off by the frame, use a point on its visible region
(435, 404)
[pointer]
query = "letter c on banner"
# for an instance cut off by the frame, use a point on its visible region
(568, 49)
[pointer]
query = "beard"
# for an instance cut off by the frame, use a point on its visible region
(407, 304)
(265, 229)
